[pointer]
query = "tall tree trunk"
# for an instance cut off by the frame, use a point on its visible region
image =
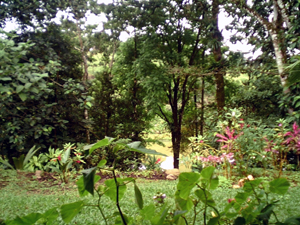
(176, 140)
(219, 73)
(276, 30)
(196, 116)
(202, 106)
(85, 75)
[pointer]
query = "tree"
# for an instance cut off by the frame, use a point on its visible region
(78, 9)
(166, 66)
(23, 84)
(29, 13)
(274, 21)
(219, 69)
(46, 115)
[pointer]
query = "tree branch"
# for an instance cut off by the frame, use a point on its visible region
(267, 25)
(164, 115)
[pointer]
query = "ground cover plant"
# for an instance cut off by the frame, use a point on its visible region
(23, 195)
(191, 200)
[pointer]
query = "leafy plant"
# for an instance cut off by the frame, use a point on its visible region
(152, 162)
(22, 162)
(255, 204)
(36, 163)
(293, 140)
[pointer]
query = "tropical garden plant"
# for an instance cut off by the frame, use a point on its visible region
(253, 205)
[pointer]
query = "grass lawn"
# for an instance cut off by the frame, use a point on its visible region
(21, 193)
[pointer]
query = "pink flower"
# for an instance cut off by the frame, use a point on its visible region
(59, 158)
(78, 161)
(229, 139)
(293, 136)
(280, 125)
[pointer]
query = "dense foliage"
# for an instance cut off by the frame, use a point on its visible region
(174, 66)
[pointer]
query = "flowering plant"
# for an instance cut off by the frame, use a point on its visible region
(293, 140)
(62, 160)
(229, 140)
(159, 198)
(152, 162)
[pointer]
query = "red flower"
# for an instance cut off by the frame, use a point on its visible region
(230, 200)
(158, 161)
(59, 158)
(78, 161)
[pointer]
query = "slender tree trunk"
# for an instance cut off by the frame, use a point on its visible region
(85, 76)
(276, 30)
(135, 92)
(176, 140)
(219, 73)
(196, 116)
(113, 56)
(202, 106)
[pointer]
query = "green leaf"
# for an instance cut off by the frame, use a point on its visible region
(5, 78)
(208, 179)
(249, 185)
(239, 221)
(213, 221)
(26, 220)
(295, 220)
(6, 163)
(2, 53)
(27, 85)
(29, 155)
(4, 89)
(137, 147)
(159, 220)
(241, 197)
(187, 181)
(89, 104)
(18, 162)
(184, 204)
(205, 196)
(279, 186)
(266, 212)
(19, 88)
(81, 189)
(148, 212)
(66, 155)
(69, 211)
(89, 179)
(50, 215)
(138, 197)
(80, 185)
(102, 163)
(112, 189)
(99, 144)
(23, 96)
(207, 172)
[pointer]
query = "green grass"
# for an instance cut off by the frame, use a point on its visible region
(21, 194)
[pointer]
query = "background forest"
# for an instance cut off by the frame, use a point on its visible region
(70, 82)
